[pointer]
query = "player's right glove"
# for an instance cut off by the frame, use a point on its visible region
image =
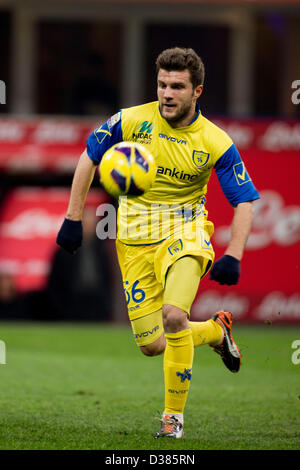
(70, 235)
(226, 270)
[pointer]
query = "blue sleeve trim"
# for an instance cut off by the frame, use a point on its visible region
(234, 178)
(104, 137)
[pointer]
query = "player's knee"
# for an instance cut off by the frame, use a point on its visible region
(156, 348)
(174, 319)
(149, 350)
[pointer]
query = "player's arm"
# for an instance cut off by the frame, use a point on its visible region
(82, 181)
(240, 229)
(240, 192)
(70, 235)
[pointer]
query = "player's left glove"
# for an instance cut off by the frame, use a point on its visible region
(70, 235)
(226, 270)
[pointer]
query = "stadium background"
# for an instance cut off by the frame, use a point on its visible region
(68, 66)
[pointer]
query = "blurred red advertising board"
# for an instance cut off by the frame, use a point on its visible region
(41, 144)
(269, 287)
(29, 221)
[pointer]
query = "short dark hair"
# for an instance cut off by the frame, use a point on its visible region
(180, 58)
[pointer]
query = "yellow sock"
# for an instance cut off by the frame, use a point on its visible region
(178, 362)
(206, 332)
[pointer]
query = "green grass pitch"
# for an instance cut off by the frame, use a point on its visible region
(67, 387)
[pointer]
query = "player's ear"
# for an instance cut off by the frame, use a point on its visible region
(198, 91)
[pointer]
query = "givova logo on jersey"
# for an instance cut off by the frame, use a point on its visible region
(143, 133)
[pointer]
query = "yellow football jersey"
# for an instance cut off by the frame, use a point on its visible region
(184, 158)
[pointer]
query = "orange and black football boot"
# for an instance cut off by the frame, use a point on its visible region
(228, 350)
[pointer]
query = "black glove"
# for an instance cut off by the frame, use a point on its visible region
(226, 270)
(70, 235)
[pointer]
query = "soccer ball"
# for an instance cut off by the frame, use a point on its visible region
(127, 168)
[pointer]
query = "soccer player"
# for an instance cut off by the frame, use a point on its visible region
(161, 271)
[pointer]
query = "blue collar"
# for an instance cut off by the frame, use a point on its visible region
(197, 113)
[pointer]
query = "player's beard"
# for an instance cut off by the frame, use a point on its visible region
(181, 114)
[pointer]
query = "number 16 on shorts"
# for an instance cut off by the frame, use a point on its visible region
(133, 294)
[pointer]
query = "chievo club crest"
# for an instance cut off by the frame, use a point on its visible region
(200, 158)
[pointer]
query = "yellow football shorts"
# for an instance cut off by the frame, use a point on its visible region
(144, 269)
